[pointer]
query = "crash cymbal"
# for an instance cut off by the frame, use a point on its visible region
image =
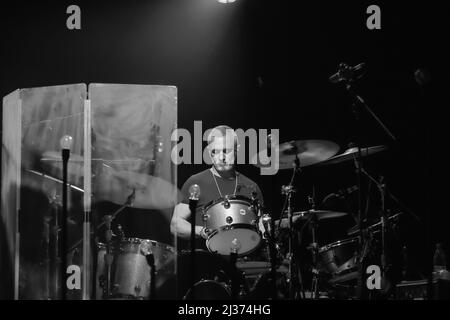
(150, 192)
(354, 230)
(352, 153)
(55, 157)
(309, 152)
(53, 179)
(52, 164)
(305, 215)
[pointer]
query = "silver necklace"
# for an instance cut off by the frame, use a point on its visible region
(217, 185)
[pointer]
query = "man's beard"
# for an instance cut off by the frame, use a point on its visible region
(221, 167)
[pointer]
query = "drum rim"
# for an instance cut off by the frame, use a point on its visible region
(235, 226)
(134, 240)
(221, 284)
(231, 198)
(337, 244)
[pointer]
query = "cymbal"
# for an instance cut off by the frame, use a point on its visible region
(353, 230)
(309, 152)
(50, 178)
(52, 162)
(54, 156)
(150, 192)
(352, 153)
(305, 215)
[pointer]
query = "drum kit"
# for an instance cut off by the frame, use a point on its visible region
(239, 226)
(244, 257)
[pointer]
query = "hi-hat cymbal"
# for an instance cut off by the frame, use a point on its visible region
(150, 192)
(305, 215)
(309, 152)
(352, 153)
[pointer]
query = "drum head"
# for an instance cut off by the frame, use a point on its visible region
(209, 290)
(208, 266)
(223, 241)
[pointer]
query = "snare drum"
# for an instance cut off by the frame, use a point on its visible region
(130, 271)
(233, 226)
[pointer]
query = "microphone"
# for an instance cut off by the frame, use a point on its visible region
(194, 192)
(347, 73)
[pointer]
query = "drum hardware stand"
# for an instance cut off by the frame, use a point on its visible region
(108, 255)
(65, 153)
(104, 280)
(288, 191)
(128, 203)
(347, 76)
(56, 261)
(235, 286)
(269, 232)
(314, 248)
(151, 262)
(47, 263)
(194, 191)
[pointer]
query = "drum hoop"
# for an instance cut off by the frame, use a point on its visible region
(232, 227)
(232, 198)
(153, 243)
(236, 226)
(337, 244)
(222, 285)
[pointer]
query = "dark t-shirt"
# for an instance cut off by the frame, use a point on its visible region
(209, 192)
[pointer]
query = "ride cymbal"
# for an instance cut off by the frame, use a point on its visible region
(308, 152)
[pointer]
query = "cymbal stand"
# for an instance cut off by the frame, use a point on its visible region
(314, 248)
(129, 202)
(288, 191)
(269, 234)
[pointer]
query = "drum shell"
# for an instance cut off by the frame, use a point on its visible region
(236, 216)
(339, 256)
(217, 215)
(130, 271)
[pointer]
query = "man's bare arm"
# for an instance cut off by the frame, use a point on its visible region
(180, 225)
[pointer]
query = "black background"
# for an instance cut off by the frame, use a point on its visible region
(265, 64)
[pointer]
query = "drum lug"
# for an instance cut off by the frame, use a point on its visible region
(137, 289)
(229, 220)
(115, 288)
(206, 217)
(226, 202)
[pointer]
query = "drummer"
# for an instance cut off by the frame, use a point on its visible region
(219, 181)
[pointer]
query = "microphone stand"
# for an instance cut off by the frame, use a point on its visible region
(65, 159)
(193, 200)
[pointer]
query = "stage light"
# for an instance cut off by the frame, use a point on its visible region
(226, 1)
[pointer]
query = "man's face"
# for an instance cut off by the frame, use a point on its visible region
(222, 151)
